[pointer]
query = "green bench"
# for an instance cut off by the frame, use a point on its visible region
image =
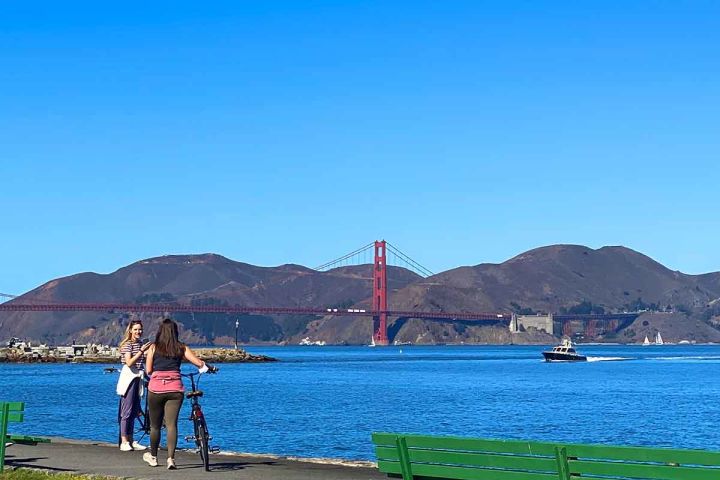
(13, 412)
(417, 456)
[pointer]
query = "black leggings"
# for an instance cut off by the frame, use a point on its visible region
(167, 406)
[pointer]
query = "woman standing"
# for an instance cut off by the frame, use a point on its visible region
(132, 354)
(166, 388)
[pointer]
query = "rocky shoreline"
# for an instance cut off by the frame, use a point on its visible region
(210, 355)
(227, 355)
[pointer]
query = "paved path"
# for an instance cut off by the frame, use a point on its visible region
(97, 458)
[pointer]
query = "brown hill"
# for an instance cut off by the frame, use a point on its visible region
(199, 279)
(563, 278)
(556, 279)
(553, 279)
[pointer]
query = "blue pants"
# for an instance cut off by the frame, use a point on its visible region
(129, 408)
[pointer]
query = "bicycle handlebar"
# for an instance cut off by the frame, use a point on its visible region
(211, 369)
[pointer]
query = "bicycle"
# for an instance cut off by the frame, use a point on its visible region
(202, 437)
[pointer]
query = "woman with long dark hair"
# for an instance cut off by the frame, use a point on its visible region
(132, 354)
(166, 388)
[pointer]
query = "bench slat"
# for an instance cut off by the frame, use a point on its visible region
(644, 471)
(637, 454)
(513, 462)
(463, 473)
(15, 417)
(14, 406)
(641, 454)
(468, 444)
(486, 459)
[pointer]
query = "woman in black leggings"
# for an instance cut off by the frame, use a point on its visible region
(166, 388)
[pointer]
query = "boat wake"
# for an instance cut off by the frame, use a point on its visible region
(706, 357)
(671, 359)
(607, 359)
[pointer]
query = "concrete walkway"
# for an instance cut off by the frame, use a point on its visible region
(95, 458)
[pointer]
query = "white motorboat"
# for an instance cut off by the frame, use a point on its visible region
(565, 352)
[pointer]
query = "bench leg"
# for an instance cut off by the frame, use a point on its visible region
(3, 433)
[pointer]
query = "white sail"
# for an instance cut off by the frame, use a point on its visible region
(658, 339)
(646, 341)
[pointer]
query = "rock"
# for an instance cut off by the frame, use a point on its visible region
(227, 355)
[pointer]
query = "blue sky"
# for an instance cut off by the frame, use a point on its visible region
(295, 132)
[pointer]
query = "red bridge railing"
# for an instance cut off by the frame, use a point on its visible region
(178, 307)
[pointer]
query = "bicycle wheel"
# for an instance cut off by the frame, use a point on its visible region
(142, 426)
(201, 439)
(142, 423)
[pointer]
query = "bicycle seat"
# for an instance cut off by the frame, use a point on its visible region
(196, 393)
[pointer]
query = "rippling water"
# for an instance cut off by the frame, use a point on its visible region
(325, 401)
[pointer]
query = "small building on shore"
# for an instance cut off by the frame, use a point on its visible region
(520, 323)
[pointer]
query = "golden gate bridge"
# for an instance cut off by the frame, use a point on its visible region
(379, 310)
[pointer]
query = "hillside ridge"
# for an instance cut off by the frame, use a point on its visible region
(550, 279)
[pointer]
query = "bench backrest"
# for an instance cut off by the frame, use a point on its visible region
(485, 459)
(12, 411)
(9, 412)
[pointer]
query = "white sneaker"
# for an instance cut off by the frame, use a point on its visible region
(126, 447)
(152, 461)
(171, 464)
(137, 446)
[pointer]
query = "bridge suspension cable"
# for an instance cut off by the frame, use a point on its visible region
(402, 259)
(4, 297)
(328, 265)
(425, 272)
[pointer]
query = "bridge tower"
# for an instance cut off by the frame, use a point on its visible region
(590, 330)
(612, 325)
(379, 307)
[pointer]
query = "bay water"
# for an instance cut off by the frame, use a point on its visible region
(325, 401)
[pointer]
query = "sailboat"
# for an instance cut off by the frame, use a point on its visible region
(646, 342)
(658, 339)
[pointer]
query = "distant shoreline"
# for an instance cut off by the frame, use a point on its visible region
(211, 355)
(230, 355)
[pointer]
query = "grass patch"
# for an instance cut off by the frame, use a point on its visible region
(29, 474)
